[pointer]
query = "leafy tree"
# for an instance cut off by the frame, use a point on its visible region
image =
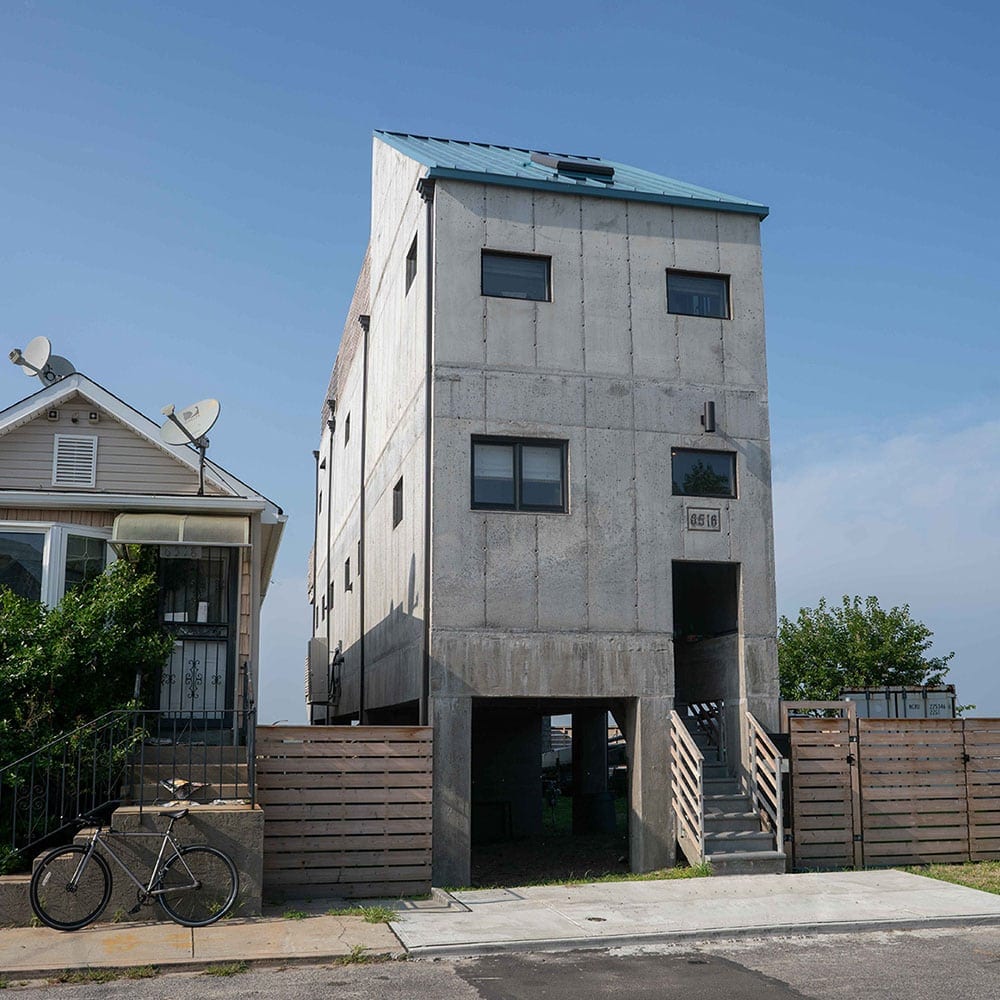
(858, 644)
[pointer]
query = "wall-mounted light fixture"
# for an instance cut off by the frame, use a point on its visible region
(708, 417)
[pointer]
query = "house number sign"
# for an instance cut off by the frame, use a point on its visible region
(703, 519)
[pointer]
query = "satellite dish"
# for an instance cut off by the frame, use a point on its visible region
(190, 427)
(193, 422)
(34, 357)
(56, 369)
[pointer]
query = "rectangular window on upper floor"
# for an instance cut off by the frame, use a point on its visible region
(411, 263)
(518, 474)
(516, 276)
(693, 294)
(703, 473)
(397, 502)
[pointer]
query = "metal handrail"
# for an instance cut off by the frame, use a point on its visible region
(710, 718)
(764, 780)
(154, 755)
(687, 773)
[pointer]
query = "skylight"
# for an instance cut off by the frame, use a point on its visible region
(575, 165)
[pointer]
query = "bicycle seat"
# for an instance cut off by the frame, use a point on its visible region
(176, 814)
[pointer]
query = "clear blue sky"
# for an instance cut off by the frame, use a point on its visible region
(184, 197)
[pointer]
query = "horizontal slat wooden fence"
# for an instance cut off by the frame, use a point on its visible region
(882, 792)
(347, 810)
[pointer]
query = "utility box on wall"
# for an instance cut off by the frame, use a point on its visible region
(903, 702)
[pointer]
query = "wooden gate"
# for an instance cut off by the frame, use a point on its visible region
(882, 792)
(347, 810)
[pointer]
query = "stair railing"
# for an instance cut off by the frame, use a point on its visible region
(710, 718)
(128, 756)
(687, 776)
(764, 780)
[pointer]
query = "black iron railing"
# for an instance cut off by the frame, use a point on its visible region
(129, 757)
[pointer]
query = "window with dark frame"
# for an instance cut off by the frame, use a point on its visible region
(347, 430)
(692, 294)
(411, 263)
(703, 473)
(397, 502)
(516, 276)
(347, 575)
(518, 474)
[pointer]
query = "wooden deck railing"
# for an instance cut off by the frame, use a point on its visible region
(710, 718)
(764, 780)
(687, 775)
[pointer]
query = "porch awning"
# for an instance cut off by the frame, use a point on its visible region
(181, 529)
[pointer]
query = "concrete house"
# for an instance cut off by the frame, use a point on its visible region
(82, 473)
(543, 480)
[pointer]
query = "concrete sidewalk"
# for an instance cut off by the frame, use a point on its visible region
(609, 914)
(596, 915)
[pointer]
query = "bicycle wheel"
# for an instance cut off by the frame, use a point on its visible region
(60, 902)
(201, 884)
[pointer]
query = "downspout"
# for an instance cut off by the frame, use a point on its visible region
(331, 424)
(365, 322)
(426, 188)
(316, 602)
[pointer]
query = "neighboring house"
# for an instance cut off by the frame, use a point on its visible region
(543, 479)
(81, 474)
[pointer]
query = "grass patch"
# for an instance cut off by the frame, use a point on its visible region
(660, 875)
(372, 914)
(983, 875)
(87, 976)
(356, 956)
(294, 914)
(227, 969)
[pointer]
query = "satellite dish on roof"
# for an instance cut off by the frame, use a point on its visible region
(190, 427)
(193, 422)
(37, 359)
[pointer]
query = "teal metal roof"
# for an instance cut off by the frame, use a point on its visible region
(485, 163)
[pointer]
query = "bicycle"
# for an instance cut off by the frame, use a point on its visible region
(195, 886)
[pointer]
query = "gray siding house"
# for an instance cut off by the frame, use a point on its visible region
(543, 479)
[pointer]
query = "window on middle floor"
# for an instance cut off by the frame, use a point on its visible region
(518, 474)
(516, 276)
(703, 473)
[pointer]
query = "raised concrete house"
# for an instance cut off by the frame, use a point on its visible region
(543, 487)
(83, 473)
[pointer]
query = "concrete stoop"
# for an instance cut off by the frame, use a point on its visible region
(15, 910)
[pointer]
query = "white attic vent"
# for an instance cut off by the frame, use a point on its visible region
(74, 460)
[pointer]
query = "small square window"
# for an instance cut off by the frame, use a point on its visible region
(516, 276)
(411, 263)
(397, 502)
(347, 575)
(514, 474)
(690, 294)
(703, 473)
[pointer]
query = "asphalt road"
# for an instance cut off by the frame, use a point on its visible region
(915, 965)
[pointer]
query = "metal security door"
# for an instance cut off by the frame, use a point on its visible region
(199, 588)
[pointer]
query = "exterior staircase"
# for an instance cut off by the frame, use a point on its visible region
(719, 821)
(187, 773)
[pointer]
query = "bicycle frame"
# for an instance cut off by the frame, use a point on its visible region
(167, 838)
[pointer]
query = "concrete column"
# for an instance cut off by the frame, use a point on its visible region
(652, 840)
(452, 722)
(593, 807)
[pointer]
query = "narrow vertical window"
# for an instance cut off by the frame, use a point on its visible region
(411, 263)
(397, 502)
(347, 575)
(347, 430)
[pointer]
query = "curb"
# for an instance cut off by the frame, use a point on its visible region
(708, 934)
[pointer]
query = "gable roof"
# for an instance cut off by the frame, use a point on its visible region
(512, 166)
(78, 384)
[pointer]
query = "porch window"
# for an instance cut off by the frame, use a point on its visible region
(43, 561)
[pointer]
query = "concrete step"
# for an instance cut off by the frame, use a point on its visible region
(716, 769)
(729, 841)
(737, 822)
(15, 910)
(732, 802)
(748, 863)
(219, 774)
(190, 754)
(151, 793)
(722, 786)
